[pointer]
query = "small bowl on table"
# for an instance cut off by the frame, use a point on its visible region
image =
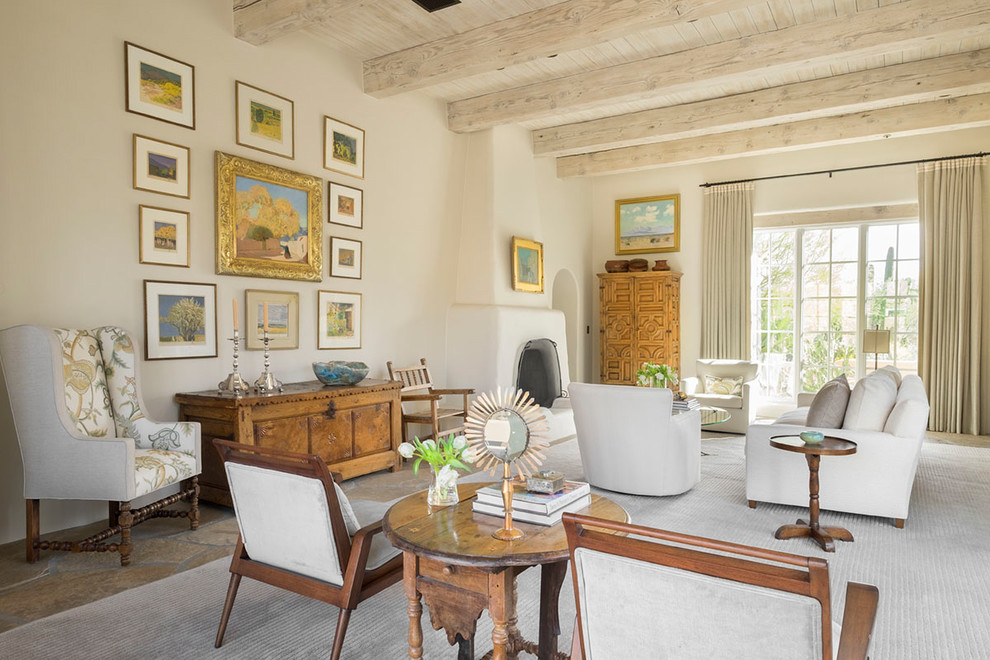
(340, 372)
(812, 437)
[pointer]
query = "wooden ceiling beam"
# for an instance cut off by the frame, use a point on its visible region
(562, 27)
(909, 24)
(916, 119)
(913, 82)
(260, 21)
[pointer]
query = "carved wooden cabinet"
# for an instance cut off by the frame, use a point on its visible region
(640, 321)
(355, 428)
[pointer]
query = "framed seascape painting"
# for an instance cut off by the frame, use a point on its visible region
(180, 320)
(265, 121)
(345, 258)
(343, 147)
(648, 224)
(283, 319)
(269, 221)
(161, 167)
(164, 236)
(338, 319)
(346, 206)
(159, 86)
(527, 265)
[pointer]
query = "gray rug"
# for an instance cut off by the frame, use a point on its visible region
(933, 576)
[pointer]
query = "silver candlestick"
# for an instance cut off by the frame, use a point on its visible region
(233, 383)
(267, 383)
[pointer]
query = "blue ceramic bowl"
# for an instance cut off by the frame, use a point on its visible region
(812, 437)
(339, 372)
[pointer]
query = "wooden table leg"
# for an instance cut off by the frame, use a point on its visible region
(465, 648)
(410, 569)
(551, 580)
(824, 536)
(501, 607)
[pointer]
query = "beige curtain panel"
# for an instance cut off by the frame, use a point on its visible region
(727, 236)
(954, 328)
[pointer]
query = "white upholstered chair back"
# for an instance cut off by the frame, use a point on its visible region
(725, 369)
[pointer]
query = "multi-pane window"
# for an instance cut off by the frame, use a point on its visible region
(816, 290)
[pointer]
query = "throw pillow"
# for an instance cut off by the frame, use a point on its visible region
(892, 371)
(828, 409)
(730, 385)
(870, 403)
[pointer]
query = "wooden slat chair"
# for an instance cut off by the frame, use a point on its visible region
(649, 593)
(299, 532)
(417, 387)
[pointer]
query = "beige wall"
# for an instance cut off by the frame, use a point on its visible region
(69, 255)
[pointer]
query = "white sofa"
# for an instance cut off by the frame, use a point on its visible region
(741, 408)
(876, 481)
(631, 443)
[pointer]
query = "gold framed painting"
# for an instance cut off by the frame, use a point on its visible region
(283, 319)
(343, 147)
(338, 320)
(180, 320)
(265, 121)
(648, 224)
(527, 265)
(163, 236)
(269, 221)
(159, 86)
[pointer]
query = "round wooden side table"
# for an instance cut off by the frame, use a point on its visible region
(451, 561)
(830, 446)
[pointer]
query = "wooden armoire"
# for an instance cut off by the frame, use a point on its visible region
(640, 321)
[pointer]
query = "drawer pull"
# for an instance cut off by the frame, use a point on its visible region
(448, 570)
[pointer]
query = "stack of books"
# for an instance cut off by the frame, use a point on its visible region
(687, 403)
(536, 508)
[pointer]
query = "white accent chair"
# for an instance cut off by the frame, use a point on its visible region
(299, 532)
(650, 593)
(83, 435)
(630, 442)
(741, 407)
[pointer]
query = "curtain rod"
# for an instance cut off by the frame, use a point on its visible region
(841, 169)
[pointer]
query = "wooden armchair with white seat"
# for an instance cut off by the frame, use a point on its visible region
(417, 389)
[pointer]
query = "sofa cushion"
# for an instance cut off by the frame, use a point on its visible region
(730, 385)
(156, 469)
(870, 403)
(909, 418)
(720, 400)
(892, 371)
(829, 407)
(797, 417)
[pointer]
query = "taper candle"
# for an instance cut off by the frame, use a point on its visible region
(235, 313)
(266, 317)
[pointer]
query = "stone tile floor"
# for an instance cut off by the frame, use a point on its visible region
(163, 546)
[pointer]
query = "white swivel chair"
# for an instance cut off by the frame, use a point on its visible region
(711, 387)
(630, 441)
(83, 434)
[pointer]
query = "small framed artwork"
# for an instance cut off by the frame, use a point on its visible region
(343, 147)
(269, 221)
(159, 86)
(527, 265)
(161, 167)
(164, 236)
(346, 206)
(648, 224)
(283, 319)
(338, 320)
(180, 320)
(265, 121)
(345, 258)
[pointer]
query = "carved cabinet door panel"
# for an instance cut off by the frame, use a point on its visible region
(332, 438)
(372, 428)
(289, 434)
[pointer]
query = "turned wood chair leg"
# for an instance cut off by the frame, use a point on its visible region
(33, 535)
(235, 581)
(194, 504)
(338, 638)
(125, 518)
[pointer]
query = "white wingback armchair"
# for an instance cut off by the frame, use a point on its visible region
(711, 388)
(83, 434)
(630, 441)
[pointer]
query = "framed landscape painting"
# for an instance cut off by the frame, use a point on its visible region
(283, 319)
(180, 320)
(164, 236)
(338, 319)
(161, 167)
(346, 206)
(648, 224)
(345, 257)
(527, 265)
(159, 86)
(265, 121)
(269, 221)
(343, 147)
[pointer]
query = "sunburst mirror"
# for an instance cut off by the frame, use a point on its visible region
(503, 428)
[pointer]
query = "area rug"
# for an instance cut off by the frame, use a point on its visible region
(933, 576)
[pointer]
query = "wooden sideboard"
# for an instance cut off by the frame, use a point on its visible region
(355, 428)
(640, 321)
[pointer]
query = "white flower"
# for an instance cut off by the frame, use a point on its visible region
(406, 450)
(460, 442)
(469, 455)
(429, 444)
(446, 477)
